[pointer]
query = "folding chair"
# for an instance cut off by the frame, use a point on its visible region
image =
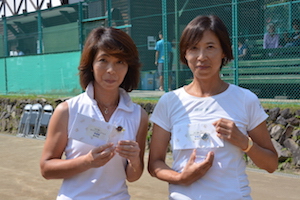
(44, 119)
(35, 115)
(24, 121)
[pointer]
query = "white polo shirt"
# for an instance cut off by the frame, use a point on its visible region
(108, 181)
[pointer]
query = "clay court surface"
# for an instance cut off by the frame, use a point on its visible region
(20, 177)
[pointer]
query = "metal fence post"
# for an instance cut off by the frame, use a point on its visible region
(40, 32)
(80, 17)
(109, 13)
(235, 40)
(6, 51)
(165, 37)
(176, 40)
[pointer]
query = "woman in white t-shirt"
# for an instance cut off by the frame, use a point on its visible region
(209, 124)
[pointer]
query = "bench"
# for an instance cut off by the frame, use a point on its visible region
(263, 71)
(257, 52)
(282, 52)
(267, 78)
(267, 72)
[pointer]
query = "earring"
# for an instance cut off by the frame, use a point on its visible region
(223, 60)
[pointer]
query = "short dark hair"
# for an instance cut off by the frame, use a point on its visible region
(160, 33)
(193, 33)
(116, 43)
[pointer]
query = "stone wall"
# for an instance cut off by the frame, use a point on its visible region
(11, 112)
(283, 126)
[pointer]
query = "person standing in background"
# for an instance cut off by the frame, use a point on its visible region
(160, 59)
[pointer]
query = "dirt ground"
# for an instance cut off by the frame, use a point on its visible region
(20, 177)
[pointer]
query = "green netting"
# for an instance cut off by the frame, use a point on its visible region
(269, 71)
(2, 76)
(43, 74)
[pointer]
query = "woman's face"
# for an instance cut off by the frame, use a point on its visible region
(205, 58)
(109, 71)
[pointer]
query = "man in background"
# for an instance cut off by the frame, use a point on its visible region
(160, 58)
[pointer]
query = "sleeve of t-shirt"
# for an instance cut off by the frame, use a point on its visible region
(256, 113)
(160, 114)
(156, 46)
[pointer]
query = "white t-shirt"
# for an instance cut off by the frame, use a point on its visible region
(226, 179)
(108, 181)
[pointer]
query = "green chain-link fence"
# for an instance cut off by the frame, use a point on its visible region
(52, 40)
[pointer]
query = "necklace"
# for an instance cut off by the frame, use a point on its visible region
(107, 108)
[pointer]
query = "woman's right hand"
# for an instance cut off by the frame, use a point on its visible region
(194, 171)
(99, 156)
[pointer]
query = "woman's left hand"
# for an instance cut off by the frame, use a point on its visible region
(128, 149)
(228, 131)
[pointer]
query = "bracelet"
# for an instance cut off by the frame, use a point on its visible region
(250, 144)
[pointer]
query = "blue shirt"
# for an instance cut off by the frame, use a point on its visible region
(160, 48)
